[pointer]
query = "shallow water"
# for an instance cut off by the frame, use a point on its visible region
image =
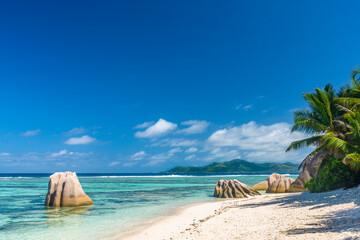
(121, 202)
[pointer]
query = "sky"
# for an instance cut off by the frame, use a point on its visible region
(143, 86)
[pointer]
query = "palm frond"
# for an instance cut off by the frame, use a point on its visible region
(352, 161)
(311, 141)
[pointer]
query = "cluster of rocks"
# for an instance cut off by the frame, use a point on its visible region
(64, 188)
(275, 183)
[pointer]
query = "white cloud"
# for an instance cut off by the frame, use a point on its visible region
(268, 110)
(139, 155)
(154, 162)
(31, 133)
(259, 142)
(175, 142)
(113, 164)
(61, 153)
(34, 159)
(224, 154)
(196, 126)
(160, 128)
(5, 154)
(191, 150)
(188, 158)
(76, 131)
(167, 155)
(294, 110)
(174, 150)
(246, 107)
(62, 164)
(80, 140)
(144, 125)
(129, 164)
(159, 158)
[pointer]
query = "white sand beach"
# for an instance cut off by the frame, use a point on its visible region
(330, 215)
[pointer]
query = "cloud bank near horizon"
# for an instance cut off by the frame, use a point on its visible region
(162, 143)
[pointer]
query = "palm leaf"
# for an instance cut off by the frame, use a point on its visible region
(352, 161)
(314, 140)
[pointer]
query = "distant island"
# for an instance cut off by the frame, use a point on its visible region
(237, 166)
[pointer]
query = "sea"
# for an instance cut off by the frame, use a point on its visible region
(122, 202)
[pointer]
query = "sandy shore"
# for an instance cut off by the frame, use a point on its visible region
(331, 215)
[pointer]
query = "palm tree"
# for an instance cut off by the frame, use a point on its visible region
(349, 96)
(347, 149)
(333, 121)
(320, 120)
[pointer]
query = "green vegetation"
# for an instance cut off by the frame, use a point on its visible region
(333, 175)
(237, 166)
(333, 121)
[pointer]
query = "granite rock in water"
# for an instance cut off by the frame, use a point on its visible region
(280, 185)
(233, 189)
(64, 190)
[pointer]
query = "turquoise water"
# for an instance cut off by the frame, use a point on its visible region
(121, 202)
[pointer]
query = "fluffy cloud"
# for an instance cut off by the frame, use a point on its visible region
(5, 154)
(76, 131)
(139, 155)
(112, 164)
(190, 157)
(222, 154)
(167, 154)
(160, 128)
(61, 153)
(31, 133)
(191, 150)
(175, 142)
(80, 140)
(154, 162)
(144, 125)
(259, 142)
(32, 159)
(196, 126)
(130, 164)
(162, 157)
(246, 107)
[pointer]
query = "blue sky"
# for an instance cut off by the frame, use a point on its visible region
(142, 86)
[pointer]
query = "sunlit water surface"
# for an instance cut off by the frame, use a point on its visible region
(121, 202)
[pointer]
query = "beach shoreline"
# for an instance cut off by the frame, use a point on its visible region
(157, 219)
(329, 215)
(177, 219)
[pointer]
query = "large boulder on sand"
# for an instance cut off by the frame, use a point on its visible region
(308, 172)
(233, 189)
(264, 185)
(280, 185)
(261, 186)
(64, 190)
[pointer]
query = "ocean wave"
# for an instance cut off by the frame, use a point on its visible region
(139, 176)
(183, 176)
(17, 177)
(153, 176)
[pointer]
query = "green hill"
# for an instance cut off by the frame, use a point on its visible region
(238, 166)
